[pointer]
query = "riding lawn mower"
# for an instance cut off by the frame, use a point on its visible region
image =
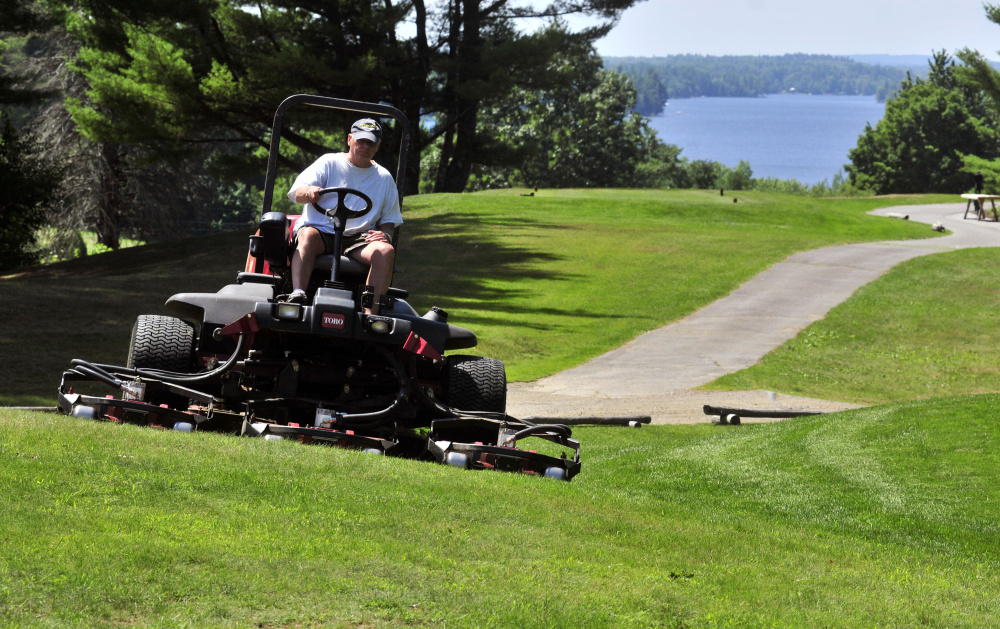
(247, 361)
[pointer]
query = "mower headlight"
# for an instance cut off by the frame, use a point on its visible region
(379, 325)
(288, 311)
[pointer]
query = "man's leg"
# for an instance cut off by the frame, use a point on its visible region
(379, 256)
(309, 245)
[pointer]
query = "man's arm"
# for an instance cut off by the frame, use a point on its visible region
(307, 194)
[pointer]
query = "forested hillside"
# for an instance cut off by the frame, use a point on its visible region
(686, 76)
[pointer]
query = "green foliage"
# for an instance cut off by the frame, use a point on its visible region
(688, 76)
(704, 174)
(240, 205)
(27, 185)
(582, 133)
(651, 93)
(19, 19)
(989, 168)
(977, 72)
(179, 78)
(134, 92)
(838, 187)
(56, 244)
(919, 143)
(739, 178)
(663, 169)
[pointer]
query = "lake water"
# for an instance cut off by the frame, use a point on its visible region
(788, 136)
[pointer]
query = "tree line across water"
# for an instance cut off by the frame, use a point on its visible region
(688, 76)
(145, 120)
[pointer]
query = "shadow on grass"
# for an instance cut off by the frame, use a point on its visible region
(452, 260)
(86, 308)
(527, 321)
(219, 254)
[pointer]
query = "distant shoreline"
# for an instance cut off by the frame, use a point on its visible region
(686, 98)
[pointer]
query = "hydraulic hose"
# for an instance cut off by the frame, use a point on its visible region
(434, 405)
(180, 378)
(556, 430)
(448, 412)
(553, 429)
(95, 372)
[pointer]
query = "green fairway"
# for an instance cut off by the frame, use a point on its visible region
(880, 517)
(547, 282)
(927, 328)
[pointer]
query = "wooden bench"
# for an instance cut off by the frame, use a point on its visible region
(979, 199)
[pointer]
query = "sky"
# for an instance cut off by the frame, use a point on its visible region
(776, 27)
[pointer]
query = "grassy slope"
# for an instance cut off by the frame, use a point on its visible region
(86, 308)
(547, 282)
(878, 517)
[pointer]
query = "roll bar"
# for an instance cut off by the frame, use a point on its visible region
(386, 111)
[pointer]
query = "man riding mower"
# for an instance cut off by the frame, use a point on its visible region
(344, 364)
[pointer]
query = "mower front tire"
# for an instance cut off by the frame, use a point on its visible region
(476, 383)
(163, 343)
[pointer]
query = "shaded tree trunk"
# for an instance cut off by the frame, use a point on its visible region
(110, 200)
(461, 100)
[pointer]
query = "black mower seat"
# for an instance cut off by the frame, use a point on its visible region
(348, 266)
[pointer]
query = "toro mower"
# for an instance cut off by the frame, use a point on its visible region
(248, 361)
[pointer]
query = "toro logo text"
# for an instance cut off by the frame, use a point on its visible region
(333, 320)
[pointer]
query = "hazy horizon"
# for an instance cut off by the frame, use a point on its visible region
(778, 27)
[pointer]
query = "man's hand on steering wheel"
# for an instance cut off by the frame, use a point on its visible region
(307, 194)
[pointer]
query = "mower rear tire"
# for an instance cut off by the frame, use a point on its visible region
(476, 383)
(163, 343)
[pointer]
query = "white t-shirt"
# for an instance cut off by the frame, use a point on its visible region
(335, 170)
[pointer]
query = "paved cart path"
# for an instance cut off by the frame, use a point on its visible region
(655, 373)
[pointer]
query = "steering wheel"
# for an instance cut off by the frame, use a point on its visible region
(342, 212)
